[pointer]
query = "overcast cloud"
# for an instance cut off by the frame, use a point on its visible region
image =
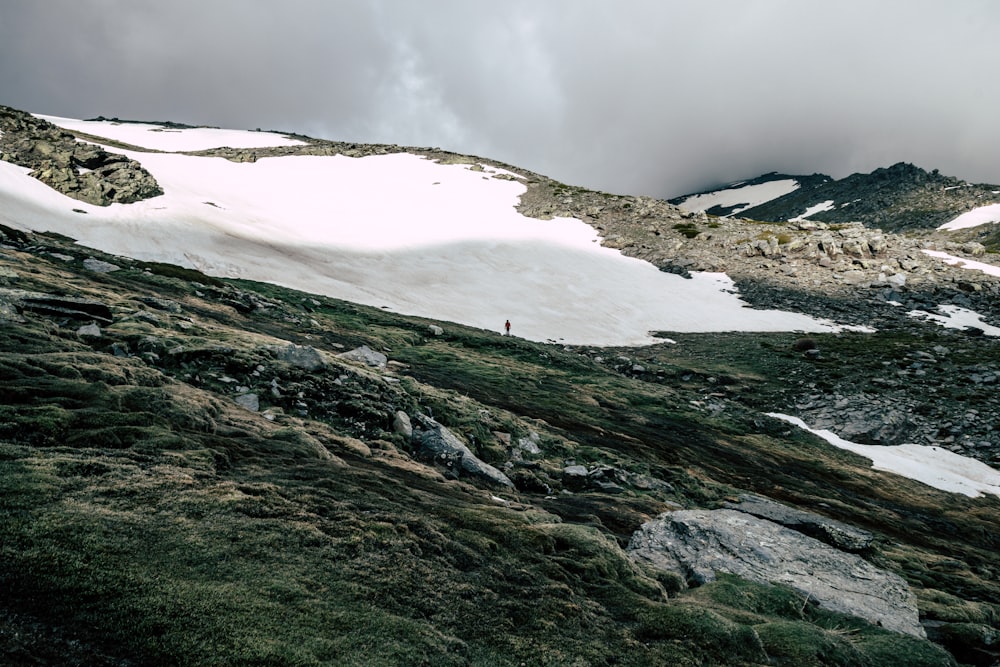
(654, 97)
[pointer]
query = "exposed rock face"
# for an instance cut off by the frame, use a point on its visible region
(699, 543)
(434, 442)
(835, 533)
(82, 171)
(51, 304)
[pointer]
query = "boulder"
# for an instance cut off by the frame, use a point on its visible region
(401, 424)
(432, 441)
(367, 356)
(249, 401)
(301, 356)
(98, 266)
(836, 534)
(697, 544)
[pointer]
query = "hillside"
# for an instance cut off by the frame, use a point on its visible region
(204, 470)
(894, 199)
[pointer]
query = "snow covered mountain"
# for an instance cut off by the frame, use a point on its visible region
(896, 198)
(411, 231)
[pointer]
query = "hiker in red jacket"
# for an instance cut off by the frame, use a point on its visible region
(506, 327)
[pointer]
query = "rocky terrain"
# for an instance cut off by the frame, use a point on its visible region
(202, 471)
(902, 197)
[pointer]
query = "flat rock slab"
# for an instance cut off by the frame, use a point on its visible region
(699, 543)
(835, 533)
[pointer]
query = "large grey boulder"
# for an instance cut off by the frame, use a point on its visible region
(301, 356)
(697, 544)
(833, 532)
(434, 442)
(367, 356)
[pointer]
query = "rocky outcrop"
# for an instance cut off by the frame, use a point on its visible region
(698, 544)
(82, 171)
(435, 443)
(835, 533)
(57, 306)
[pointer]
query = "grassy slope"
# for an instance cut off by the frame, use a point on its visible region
(146, 519)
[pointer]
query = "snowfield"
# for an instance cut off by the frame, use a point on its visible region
(395, 231)
(748, 195)
(932, 466)
(158, 137)
(977, 216)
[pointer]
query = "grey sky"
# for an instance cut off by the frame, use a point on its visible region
(655, 97)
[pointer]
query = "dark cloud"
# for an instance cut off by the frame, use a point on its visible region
(640, 96)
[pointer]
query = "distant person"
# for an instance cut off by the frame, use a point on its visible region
(506, 326)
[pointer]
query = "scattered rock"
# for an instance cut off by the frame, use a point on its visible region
(435, 330)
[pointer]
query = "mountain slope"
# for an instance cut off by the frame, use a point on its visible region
(148, 518)
(205, 470)
(897, 198)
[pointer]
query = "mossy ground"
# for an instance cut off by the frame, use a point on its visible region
(147, 519)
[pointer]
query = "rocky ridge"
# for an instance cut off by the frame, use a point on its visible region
(79, 170)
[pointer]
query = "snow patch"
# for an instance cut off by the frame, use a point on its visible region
(978, 216)
(813, 210)
(962, 263)
(158, 137)
(932, 466)
(748, 195)
(955, 317)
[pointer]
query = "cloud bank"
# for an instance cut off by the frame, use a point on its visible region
(638, 96)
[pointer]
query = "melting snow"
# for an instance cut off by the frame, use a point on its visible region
(955, 317)
(962, 263)
(748, 195)
(974, 218)
(932, 466)
(813, 210)
(396, 231)
(158, 137)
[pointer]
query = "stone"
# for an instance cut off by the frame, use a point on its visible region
(529, 445)
(833, 532)
(249, 401)
(698, 544)
(97, 266)
(435, 330)
(90, 330)
(367, 356)
(301, 356)
(433, 441)
(401, 424)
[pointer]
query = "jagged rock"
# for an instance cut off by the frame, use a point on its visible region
(302, 356)
(836, 534)
(697, 544)
(367, 356)
(82, 171)
(433, 441)
(8, 312)
(401, 424)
